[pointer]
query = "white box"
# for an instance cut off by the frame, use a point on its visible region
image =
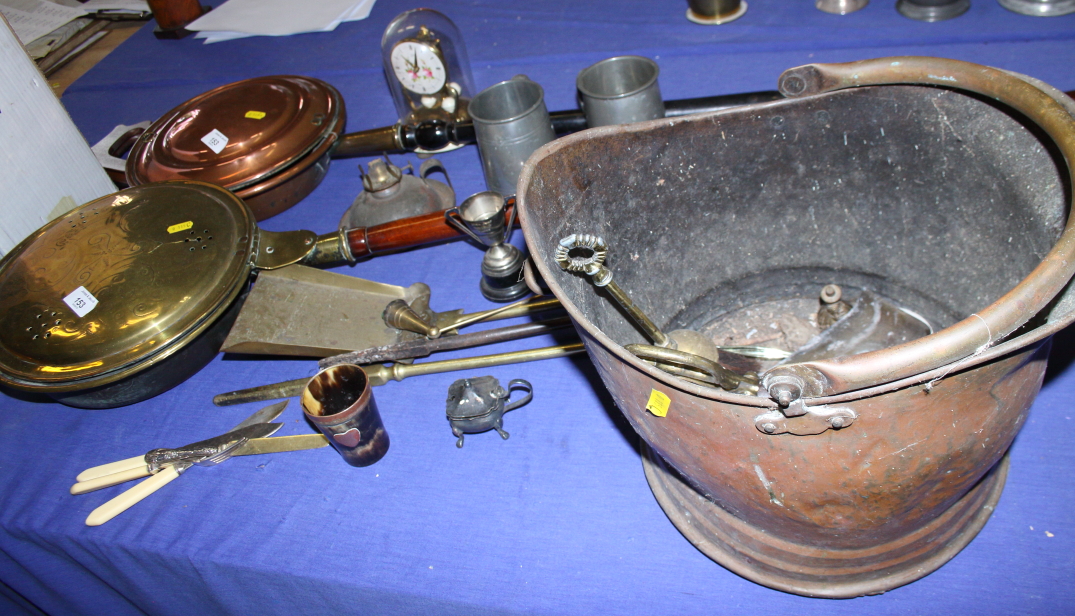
(46, 166)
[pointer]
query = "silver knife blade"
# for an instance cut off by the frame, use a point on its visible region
(280, 444)
(200, 451)
(228, 451)
(265, 415)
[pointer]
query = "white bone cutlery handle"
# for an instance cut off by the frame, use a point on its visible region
(109, 480)
(111, 467)
(124, 501)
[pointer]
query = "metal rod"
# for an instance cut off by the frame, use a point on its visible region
(285, 389)
(518, 309)
(695, 367)
(432, 135)
(423, 347)
(652, 331)
(379, 374)
(585, 253)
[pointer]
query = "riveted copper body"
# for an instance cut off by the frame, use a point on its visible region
(878, 175)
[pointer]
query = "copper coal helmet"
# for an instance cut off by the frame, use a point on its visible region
(942, 186)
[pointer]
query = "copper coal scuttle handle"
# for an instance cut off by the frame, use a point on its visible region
(1048, 108)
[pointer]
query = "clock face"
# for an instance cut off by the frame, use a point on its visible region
(418, 67)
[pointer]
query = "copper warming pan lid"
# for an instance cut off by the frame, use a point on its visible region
(267, 139)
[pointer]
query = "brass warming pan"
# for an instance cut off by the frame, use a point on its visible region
(943, 185)
(128, 295)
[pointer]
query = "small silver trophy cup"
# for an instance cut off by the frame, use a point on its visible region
(481, 216)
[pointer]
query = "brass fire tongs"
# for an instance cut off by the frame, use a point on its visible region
(684, 353)
(400, 315)
(379, 374)
(303, 311)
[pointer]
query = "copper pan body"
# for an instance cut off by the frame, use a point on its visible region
(272, 197)
(877, 175)
(280, 133)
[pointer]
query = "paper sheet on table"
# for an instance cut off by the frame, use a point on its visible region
(134, 6)
(237, 18)
(42, 45)
(31, 19)
(360, 10)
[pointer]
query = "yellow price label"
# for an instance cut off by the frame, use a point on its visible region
(255, 115)
(658, 403)
(183, 226)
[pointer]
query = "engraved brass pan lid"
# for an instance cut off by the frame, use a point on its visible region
(240, 134)
(120, 284)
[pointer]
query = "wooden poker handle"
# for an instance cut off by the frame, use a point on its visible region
(406, 233)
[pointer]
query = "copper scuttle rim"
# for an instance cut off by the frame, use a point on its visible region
(959, 346)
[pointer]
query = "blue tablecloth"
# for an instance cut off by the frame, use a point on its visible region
(558, 519)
